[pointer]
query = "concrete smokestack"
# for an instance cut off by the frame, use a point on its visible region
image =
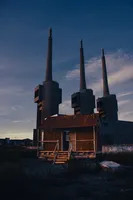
(83, 101)
(104, 73)
(48, 95)
(82, 68)
(48, 76)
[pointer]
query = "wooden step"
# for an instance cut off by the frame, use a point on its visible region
(62, 156)
(59, 162)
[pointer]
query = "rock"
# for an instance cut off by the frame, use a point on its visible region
(110, 166)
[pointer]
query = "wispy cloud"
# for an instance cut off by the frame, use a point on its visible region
(18, 134)
(17, 107)
(120, 71)
(123, 102)
(23, 121)
(128, 116)
(65, 107)
(13, 90)
(115, 61)
(119, 67)
(124, 94)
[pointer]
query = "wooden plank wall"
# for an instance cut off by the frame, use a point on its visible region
(84, 139)
(52, 136)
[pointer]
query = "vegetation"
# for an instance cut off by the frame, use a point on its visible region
(15, 153)
(22, 176)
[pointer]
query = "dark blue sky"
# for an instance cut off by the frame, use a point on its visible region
(23, 45)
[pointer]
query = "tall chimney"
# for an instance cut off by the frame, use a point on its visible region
(82, 68)
(48, 76)
(104, 73)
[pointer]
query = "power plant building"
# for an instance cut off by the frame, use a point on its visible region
(84, 131)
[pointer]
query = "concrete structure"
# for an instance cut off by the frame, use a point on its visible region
(123, 133)
(117, 133)
(52, 93)
(85, 130)
(83, 101)
(108, 103)
(60, 136)
(114, 131)
(48, 95)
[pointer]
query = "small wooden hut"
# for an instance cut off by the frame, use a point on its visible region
(70, 134)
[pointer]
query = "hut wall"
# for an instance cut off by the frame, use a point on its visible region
(85, 139)
(51, 140)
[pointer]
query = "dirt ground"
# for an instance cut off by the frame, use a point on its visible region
(31, 179)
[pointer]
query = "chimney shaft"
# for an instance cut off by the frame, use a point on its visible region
(49, 58)
(82, 68)
(104, 73)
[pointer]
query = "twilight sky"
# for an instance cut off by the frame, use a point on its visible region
(24, 28)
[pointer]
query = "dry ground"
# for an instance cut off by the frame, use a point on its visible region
(32, 179)
(23, 177)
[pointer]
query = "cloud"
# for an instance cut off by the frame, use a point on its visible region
(123, 102)
(13, 90)
(18, 134)
(126, 115)
(10, 90)
(124, 94)
(119, 67)
(17, 107)
(65, 107)
(23, 121)
(120, 76)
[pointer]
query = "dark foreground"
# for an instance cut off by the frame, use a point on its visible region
(22, 176)
(32, 179)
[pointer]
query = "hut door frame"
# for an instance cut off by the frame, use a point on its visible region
(73, 141)
(94, 138)
(62, 141)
